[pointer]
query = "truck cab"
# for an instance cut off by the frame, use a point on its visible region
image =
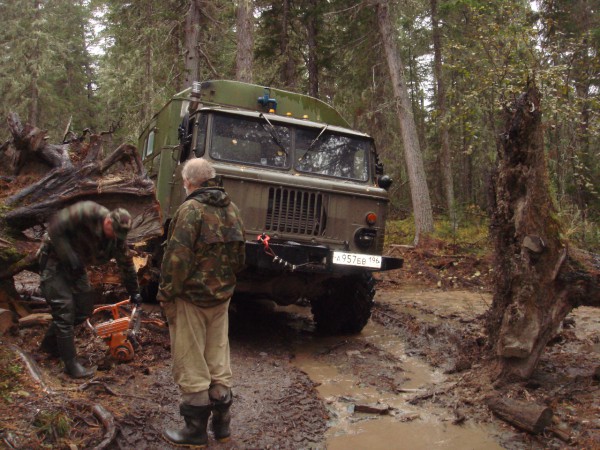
(311, 192)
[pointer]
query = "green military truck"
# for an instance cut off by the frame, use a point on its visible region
(311, 192)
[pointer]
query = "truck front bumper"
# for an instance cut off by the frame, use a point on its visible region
(291, 256)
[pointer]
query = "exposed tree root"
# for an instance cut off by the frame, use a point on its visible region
(108, 421)
(33, 369)
(102, 414)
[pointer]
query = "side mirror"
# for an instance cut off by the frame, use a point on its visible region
(384, 182)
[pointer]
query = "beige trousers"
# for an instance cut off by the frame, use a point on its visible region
(199, 345)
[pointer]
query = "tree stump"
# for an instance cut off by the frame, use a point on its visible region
(539, 278)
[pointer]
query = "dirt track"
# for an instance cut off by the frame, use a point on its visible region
(419, 365)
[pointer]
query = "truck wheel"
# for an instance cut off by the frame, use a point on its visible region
(345, 307)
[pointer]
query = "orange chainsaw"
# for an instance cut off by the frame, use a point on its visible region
(119, 332)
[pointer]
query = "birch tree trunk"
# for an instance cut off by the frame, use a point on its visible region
(245, 41)
(412, 151)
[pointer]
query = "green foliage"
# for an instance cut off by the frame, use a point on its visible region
(10, 373)
(469, 234)
(46, 67)
(52, 425)
(579, 230)
(109, 63)
(140, 62)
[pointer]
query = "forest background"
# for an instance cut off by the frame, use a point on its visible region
(110, 65)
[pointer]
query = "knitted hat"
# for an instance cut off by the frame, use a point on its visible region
(121, 222)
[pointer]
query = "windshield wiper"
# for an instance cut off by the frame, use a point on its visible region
(314, 141)
(273, 132)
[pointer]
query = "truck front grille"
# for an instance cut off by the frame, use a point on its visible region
(293, 211)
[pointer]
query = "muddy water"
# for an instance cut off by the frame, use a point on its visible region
(407, 426)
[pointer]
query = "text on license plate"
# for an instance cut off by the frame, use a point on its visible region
(357, 259)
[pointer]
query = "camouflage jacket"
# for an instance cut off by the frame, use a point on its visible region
(204, 250)
(77, 239)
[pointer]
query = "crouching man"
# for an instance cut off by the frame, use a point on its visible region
(84, 233)
(204, 251)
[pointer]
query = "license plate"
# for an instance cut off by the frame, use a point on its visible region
(357, 259)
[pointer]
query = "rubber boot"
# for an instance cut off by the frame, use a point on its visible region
(221, 418)
(49, 344)
(66, 347)
(194, 432)
(221, 399)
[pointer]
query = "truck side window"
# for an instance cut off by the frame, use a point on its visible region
(199, 136)
(150, 144)
(144, 148)
(185, 137)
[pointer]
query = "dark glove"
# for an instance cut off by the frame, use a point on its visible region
(136, 299)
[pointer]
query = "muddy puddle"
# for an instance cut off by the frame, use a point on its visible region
(393, 421)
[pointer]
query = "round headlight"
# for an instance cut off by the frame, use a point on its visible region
(364, 238)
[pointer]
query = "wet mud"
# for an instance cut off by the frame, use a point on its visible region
(414, 378)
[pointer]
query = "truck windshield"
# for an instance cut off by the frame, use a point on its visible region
(318, 151)
(249, 141)
(336, 155)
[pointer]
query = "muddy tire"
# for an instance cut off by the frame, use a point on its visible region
(345, 307)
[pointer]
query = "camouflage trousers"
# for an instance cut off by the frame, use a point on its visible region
(69, 296)
(199, 345)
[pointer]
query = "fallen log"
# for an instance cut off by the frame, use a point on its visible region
(29, 141)
(562, 435)
(10, 299)
(91, 181)
(35, 319)
(523, 415)
(40, 178)
(117, 180)
(7, 320)
(370, 408)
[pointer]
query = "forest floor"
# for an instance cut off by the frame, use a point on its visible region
(417, 377)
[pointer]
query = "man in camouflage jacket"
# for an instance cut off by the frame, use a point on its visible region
(82, 234)
(204, 250)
